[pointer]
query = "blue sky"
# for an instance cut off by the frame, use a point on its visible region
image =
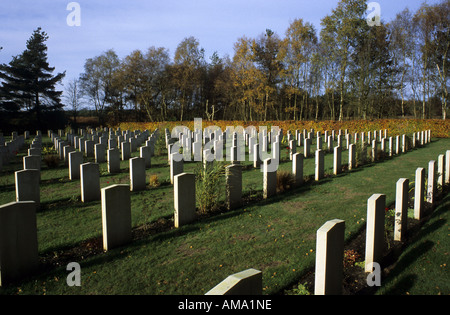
(127, 25)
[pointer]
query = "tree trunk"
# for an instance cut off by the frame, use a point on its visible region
(424, 92)
(341, 103)
(333, 113)
(265, 107)
(401, 92)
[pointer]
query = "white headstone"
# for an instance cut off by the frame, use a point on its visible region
(431, 183)
(137, 174)
(297, 168)
(337, 157)
(401, 209)
(419, 188)
(269, 180)
(90, 182)
(375, 243)
(184, 199)
(329, 258)
(116, 216)
(233, 182)
(319, 165)
(18, 241)
(113, 160)
(27, 186)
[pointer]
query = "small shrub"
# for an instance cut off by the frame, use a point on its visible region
(51, 160)
(285, 180)
(301, 290)
(154, 181)
(48, 150)
(361, 153)
(389, 220)
(351, 257)
(160, 146)
(381, 155)
(209, 185)
(360, 264)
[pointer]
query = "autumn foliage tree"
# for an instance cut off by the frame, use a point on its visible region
(348, 70)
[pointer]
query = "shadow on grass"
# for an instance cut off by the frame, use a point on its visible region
(163, 229)
(408, 258)
(8, 188)
(74, 201)
(404, 284)
(416, 247)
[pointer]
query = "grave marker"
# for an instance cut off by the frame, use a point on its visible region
(89, 148)
(306, 147)
(337, 160)
(116, 216)
(329, 258)
(32, 162)
(256, 157)
(100, 153)
(90, 182)
(176, 165)
(375, 243)
(269, 180)
(233, 180)
(431, 183)
(184, 199)
(319, 165)
(419, 188)
(113, 160)
(374, 150)
(18, 241)
(401, 209)
(447, 167)
(440, 171)
(145, 153)
(297, 168)
(66, 150)
(351, 156)
(137, 174)
(75, 160)
(27, 186)
(247, 282)
(125, 150)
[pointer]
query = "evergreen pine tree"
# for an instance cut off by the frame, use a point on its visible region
(27, 81)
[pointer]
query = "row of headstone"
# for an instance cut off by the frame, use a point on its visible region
(210, 145)
(97, 144)
(27, 185)
(257, 143)
(27, 180)
(176, 159)
(9, 148)
(113, 158)
(330, 237)
(234, 180)
(26, 189)
(18, 229)
(18, 222)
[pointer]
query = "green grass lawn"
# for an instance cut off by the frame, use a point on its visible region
(276, 236)
(422, 268)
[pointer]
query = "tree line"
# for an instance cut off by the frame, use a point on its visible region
(347, 70)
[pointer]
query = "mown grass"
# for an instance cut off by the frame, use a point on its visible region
(276, 236)
(422, 268)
